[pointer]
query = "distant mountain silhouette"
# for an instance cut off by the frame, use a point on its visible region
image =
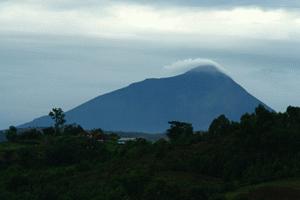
(197, 96)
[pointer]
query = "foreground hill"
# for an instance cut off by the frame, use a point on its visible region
(197, 96)
(257, 158)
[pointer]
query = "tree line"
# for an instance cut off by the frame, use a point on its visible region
(64, 163)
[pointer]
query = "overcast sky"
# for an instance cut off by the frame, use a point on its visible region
(64, 52)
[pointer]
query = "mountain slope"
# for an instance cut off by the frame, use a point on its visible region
(197, 96)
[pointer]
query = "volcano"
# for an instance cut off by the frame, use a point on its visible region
(196, 96)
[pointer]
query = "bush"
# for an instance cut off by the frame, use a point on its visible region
(11, 134)
(31, 134)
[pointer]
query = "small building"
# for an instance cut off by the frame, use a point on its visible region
(124, 140)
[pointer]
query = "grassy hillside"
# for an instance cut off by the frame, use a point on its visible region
(279, 189)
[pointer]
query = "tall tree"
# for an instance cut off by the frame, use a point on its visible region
(219, 126)
(58, 115)
(179, 131)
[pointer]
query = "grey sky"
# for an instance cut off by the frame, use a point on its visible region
(62, 53)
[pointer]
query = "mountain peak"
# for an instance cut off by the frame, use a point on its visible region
(208, 68)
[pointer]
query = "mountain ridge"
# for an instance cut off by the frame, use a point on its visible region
(196, 96)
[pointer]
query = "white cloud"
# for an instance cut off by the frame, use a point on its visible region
(181, 66)
(147, 22)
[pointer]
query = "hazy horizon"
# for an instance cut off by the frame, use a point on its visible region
(63, 53)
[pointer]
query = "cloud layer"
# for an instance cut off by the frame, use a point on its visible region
(120, 20)
(64, 52)
(184, 65)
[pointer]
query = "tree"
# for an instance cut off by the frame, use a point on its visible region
(73, 129)
(11, 134)
(293, 114)
(179, 131)
(49, 131)
(264, 119)
(98, 134)
(58, 115)
(219, 126)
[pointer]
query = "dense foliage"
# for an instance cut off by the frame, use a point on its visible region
(75, 164)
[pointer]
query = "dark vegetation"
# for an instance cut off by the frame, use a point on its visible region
(66, 162)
